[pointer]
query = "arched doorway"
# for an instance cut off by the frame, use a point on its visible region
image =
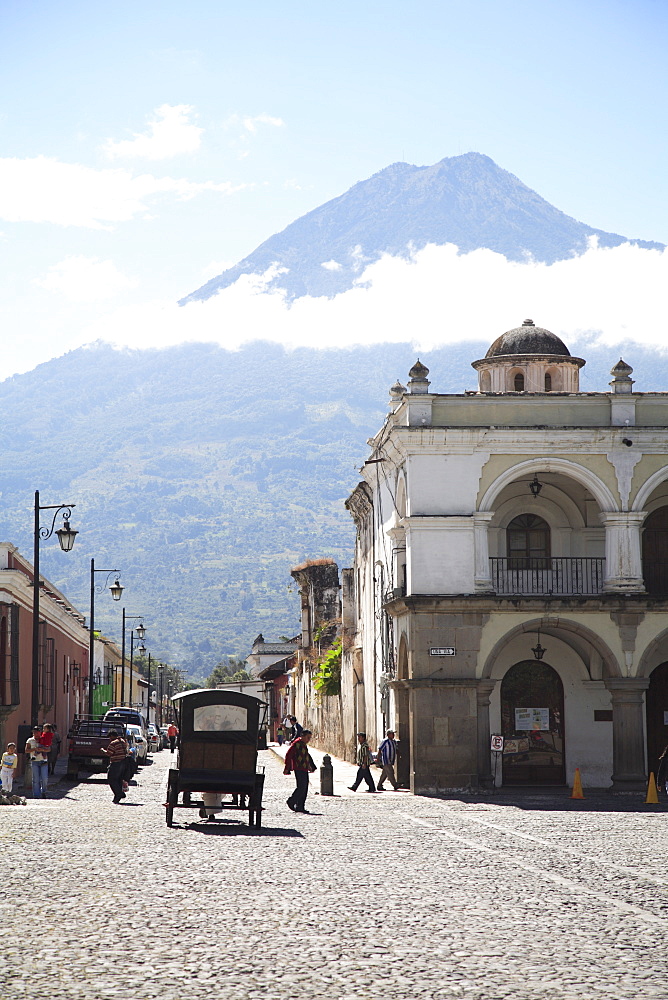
(655, 552)
(532, 723)
(656, 709)
(402, 703)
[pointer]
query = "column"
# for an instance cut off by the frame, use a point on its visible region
(483, 578)
(483, 692)
(623, 561)
(628, 733)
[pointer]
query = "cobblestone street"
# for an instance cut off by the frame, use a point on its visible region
(374, 896)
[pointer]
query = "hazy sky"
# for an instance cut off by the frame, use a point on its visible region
(145, 146)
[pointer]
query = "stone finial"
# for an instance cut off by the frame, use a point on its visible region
(396, 394)
(622, 381)
(418, 378)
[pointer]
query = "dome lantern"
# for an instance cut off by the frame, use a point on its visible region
(528, 358)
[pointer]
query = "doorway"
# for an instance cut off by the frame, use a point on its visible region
(656, 710)
(655, 552)
(532, 724)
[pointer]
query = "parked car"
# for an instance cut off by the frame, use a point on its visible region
(140, 742)
(121, 713)
(154, 742)
(164, 738)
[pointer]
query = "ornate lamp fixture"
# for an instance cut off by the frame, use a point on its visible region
(538, 650)
(117, 590)
(535, 486)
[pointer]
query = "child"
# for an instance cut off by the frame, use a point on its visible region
(280, 735)
(46, 739)
(10, 761)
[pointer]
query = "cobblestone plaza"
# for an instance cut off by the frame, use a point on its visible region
(371, 896)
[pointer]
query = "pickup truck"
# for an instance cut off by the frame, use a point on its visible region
(85, 742)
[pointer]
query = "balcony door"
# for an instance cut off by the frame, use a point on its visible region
(655, 552)
(532, 723)
(528, 542)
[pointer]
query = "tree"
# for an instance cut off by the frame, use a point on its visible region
(230, 669)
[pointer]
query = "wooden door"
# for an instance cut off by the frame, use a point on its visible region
(655, 552)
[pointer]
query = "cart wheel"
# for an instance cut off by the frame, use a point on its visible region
(172, 795)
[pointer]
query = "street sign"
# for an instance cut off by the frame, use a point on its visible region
(496, 743)
(442, 651)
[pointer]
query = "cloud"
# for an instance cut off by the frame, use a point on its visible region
(331, 265)
(435, 297)
(251, 124)
(170, 133)
(43, 189)
(86, 279)
(248, 128)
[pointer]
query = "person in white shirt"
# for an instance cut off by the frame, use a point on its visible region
(10, 761)
(39, 761)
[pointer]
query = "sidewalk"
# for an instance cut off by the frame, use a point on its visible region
(344, 773)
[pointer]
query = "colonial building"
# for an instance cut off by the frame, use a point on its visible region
(510, 575)
(62, 682)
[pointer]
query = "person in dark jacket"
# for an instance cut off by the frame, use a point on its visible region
(299, 760)
(117, 752)
(363, 765)
(662, 771)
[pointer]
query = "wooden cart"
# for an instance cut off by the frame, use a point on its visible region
(218, 740)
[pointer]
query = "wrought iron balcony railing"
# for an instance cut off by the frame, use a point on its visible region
(560, 575)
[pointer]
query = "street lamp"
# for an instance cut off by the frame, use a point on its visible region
(116, 592)
(141, 626)
(66, 536)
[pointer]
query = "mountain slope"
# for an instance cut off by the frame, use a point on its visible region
(466, 200)
(204, 475)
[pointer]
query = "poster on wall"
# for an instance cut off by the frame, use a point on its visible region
(532, 719)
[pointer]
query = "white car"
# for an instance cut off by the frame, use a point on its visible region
(140, 742)
(154, 741)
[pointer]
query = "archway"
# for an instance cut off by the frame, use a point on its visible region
(655, 552)
(402, 702)
(532, 724)
(656, 713)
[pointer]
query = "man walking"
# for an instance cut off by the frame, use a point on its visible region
(387, 753)
(299, 760)
(363, 765)
(172, 733)
(116, 751)
(39, 762)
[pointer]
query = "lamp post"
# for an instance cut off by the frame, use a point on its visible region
(148, 693)
(161, 684)
(141, 636)
(66, 536)
(116, 592)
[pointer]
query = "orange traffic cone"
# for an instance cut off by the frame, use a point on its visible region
(652, 797)
(577, 792)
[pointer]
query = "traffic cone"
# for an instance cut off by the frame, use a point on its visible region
(652, 797)
(577, 792)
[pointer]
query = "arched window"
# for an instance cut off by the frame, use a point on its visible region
(548, 382)
(528, 542)
(519, 382)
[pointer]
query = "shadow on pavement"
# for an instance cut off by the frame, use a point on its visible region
(231, 828)
(557, 800)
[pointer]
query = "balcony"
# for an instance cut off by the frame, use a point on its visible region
(555, 575)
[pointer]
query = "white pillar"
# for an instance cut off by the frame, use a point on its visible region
(483, 576)
(623, 559)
